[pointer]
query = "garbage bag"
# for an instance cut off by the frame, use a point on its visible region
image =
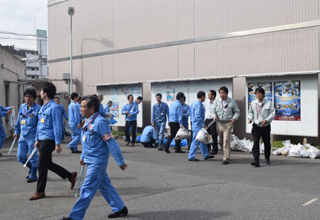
(295, 150)
(67, 131)
(182, 133)
(113, 121)
(183, 143)
(203, 136)
(12, 120)
(138, 139)
(313, 152)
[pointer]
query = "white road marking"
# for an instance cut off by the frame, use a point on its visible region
(311, 201)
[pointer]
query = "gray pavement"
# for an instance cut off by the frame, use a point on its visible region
(164, 186)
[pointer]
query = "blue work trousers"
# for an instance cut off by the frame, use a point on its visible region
(195, 144)
(96, 179)
(75, 138)
(160, 127)
(2, 135)
(25, 146)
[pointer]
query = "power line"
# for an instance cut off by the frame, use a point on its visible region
(13, 38)
(27, 35)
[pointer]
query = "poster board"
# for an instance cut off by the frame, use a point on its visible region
(169, 90)
(118, 95)
(295, 99)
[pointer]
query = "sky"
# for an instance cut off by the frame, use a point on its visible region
(23, 17)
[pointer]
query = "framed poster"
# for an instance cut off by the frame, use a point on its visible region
(287, 100)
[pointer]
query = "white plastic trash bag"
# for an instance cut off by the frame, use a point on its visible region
(313, 152)
(295, 150)
(262, 148)
(203, 136)
(182, 133)
(12, 120)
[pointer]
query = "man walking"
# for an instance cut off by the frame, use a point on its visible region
(213, 147)
(261, 112)
(159, 114)
(74, 123)
(25, 130)
(225, 112)
(48, 139)
(98, 143)
(131, 111)
(197, 114)
(175, 122)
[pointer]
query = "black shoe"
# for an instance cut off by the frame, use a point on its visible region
(194, 159)
(268, 161)
(167, 151)
(179, 151)
(31, 180)
(160, 148)
(72, 150)
(76, 151)
(225, 162)
(213, 152)
(66, 218)
(208, 157)
(121, 213)
(255, 164)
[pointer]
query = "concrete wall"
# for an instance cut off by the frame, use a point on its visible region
(14, 70)
(105, 25)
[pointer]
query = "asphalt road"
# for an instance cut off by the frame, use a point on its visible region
(164, 186)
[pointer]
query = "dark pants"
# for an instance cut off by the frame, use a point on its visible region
(213, 132)
(174, 127)
(149, 144)
(45, 163)
(263, 132)
(133, 125)
(191, 136)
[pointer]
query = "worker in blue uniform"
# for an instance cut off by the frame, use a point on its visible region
(63, 114)
(25, 129)
(185, 117)
(148, 136)
(175, 122)
(3, 112)
(131, 111)
(138, 100)
(197, 116)
(48, 139)
(159, 114)
(98, 143)
(108, 106)
(74, 123)
(102, 111)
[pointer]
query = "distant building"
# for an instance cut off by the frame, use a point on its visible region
(12, 69)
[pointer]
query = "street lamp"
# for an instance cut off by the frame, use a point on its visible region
(71, 13)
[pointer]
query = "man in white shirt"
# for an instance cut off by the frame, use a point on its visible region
(208, 119)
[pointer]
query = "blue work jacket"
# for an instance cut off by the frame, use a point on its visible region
(3, 112)
(49, 123)
(27, 121)
(102, 111)
(74, 114)
(175, 112)
(197, 114)
(98, 142)
(131, 109)
(148, 133)
(159, 113)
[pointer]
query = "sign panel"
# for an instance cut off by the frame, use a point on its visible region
(118, 95)
(287, 100)
(295, 99)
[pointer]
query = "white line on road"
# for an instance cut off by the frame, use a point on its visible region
(311, 201)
